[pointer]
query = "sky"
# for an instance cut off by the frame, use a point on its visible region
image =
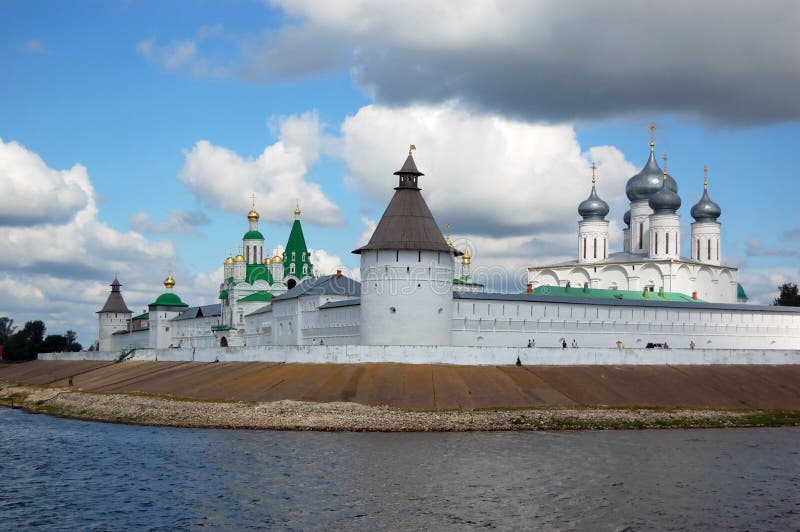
(133, 133)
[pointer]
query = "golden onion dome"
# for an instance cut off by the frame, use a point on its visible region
(169, 282)
(238, 258)
(465, 258)
(277, 259)
(252, 215)
(229, 260)
(297, 210)
(267, 261)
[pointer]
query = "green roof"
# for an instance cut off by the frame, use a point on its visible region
(223, 294)
(601, 293)
(297, 245)
(144, 316)
(264, 297)
(169, 299)
(258, 272)
(253, 235)
(465, 283)
(740, 292)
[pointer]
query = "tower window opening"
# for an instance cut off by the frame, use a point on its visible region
(247, 252)
(584, 248)
(419, 256)
(697, 254)
(605, 249)
(656, 243)
(709, 249)
(595, 248)
(717, 249)
(294, 255)
(667, 244)
(641, 235)
(397, 256)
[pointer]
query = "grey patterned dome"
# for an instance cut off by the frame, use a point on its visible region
(648, 181)
(593, 208)
(706, 210)
(665, 201)
(627, 218)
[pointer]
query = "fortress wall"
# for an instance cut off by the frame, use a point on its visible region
(495, 322)
(544, 356)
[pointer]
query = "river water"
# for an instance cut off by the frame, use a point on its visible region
(66, 474)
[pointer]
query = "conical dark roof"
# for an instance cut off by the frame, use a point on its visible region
(407, 222)
(115, 303)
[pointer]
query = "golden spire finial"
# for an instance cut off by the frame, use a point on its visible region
(252, 215)
(665, 166)
(169, 282)
(594, 178)
(411, 148)
(652, 135)
(297, 209)
(447, 238)
(705, 177)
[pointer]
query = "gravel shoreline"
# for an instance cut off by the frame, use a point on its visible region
(297, 415)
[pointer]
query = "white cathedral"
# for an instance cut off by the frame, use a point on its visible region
(409, 293)
(651, 258)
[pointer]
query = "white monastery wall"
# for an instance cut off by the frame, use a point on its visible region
(492, 322)
(353, 354)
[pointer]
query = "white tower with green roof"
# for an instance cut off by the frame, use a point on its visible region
(296, 258)
(253, 240)
(166, 306)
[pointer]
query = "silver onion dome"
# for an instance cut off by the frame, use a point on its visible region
(593, 208)
(648, 181)
(627, 218)
(665, 201)
(705, 210)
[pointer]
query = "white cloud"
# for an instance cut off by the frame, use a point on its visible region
(57, 271)
(176, 221)
(486, 174)
(185, 54)
(225, 179)
(761, 285)
(35, 194)
(326, 264)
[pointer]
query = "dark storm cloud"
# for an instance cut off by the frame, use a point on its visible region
(731, 62)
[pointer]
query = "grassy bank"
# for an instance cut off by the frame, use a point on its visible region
(296, 415)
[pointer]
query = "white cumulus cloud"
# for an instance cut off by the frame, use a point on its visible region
(34, 194)
(278, 176)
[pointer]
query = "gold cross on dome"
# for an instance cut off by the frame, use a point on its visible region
(594, 167)
(253, 200)
(411, 148)
(705, 176)
(652, 132)
(665, 163)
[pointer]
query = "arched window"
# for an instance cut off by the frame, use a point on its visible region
(717, 249)
(584, 247)
(305, 269)
(294, 256)
(656, 242)
(641, 235)
(247, 253)
(697, 255)
(605, 249)
(291, 267)
(709, 249)
(304, 256)
(667, 244)
(595, 248)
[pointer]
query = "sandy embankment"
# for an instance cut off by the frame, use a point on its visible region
(298, 415)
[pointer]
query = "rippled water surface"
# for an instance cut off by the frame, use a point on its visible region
(66, 474)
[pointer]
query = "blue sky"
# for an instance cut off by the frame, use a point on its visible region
(507, 105)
